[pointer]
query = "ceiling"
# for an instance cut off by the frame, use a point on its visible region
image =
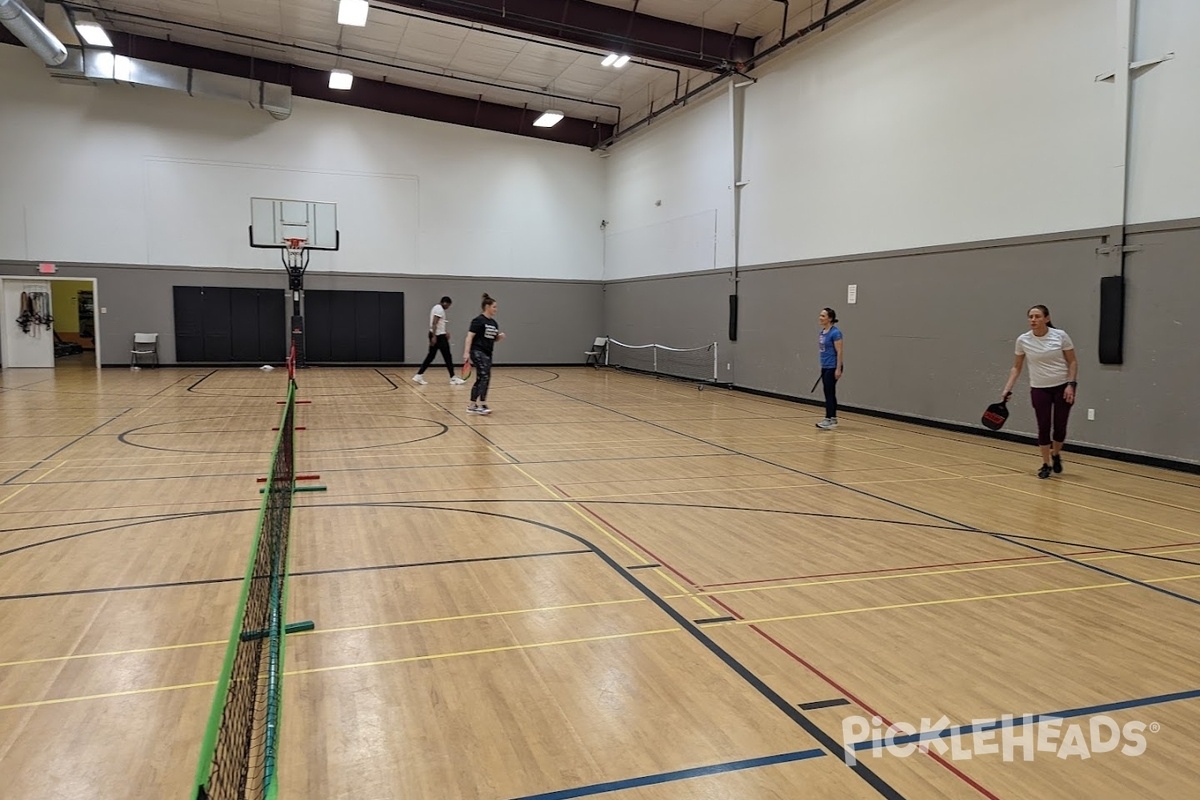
(487, 63)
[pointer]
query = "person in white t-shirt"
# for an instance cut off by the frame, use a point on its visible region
(1052, 371)
(439, 342)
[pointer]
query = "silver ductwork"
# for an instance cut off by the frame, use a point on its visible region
(32, 32)
(104, 66)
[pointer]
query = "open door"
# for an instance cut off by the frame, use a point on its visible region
(26, 324)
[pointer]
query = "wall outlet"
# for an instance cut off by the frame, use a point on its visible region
(728, 365)
(1091, 413)
(103, 310)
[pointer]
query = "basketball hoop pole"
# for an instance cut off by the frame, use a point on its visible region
(295, 260)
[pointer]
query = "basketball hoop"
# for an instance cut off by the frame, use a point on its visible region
(295, 259)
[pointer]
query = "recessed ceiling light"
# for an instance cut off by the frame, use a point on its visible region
(548, 119)
(353, 12)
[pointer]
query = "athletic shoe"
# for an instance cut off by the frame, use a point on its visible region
(1057, 466)
(828, 424)
(420, 379)
(456, 381)
(1044, 472)
(483, 410)
(472, 410)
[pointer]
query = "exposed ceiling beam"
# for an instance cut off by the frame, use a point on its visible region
(604, 27)
(376, 95)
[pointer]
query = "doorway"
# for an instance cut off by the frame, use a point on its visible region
(47, 321)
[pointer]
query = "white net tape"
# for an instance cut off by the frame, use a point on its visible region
(689, 363)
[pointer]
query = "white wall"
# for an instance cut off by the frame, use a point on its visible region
(934, 122)
(120, 175)
(685, 161)
(1164, 152)
(921, 123)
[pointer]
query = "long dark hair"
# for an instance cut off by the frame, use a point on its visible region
(1045, 312)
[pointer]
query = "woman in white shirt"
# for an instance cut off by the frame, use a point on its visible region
(1052, 370)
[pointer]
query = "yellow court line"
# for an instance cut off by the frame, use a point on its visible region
(952, 600)
(107, 695)
(1024, 491)
(31, 483)
(1044, 561)
(596, 604)
(482, 651)
(593, 498)
(571, 504)
(410, 659)
(1035, 494)
(321, 631)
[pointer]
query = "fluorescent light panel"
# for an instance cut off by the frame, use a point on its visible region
(548, 119)
(340, 79)
(609, 59)
(353, 12)
(620, 62)
(92, 33)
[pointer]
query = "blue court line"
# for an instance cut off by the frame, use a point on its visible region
(678, 775)
(1017, 722)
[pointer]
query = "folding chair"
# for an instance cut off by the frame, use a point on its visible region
(597, 352)
(144, 344)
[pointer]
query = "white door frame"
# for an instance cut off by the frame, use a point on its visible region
(38, 277)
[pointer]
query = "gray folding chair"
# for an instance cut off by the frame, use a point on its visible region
(145, 345)
(597, 352)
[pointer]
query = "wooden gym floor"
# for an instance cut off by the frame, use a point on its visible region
(613, 586)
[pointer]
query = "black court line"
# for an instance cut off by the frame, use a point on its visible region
(837, 701)
(214, 581)
(440, 427)
(1014, 451)
(711, 620)
(389, 380)
(962, 526)
(74, 441)
(202, 380)
(645, 566)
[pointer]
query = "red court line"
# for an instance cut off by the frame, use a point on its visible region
(627, 537)
(853, 698)
(930, 566)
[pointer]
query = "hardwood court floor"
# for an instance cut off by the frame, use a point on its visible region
(612, 586)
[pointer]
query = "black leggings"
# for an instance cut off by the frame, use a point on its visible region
(1052, 410)
(439, 345)
(829, 381)
(483, 375)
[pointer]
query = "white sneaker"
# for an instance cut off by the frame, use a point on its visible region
(420, 379)
(472, 410)
(456, 381)
(827, 424)
(483, 410)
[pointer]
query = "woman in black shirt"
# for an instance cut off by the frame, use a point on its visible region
(481, 338)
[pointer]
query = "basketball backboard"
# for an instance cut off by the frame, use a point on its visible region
(273, 220)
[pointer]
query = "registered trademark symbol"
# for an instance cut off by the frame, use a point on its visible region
(1155, 727)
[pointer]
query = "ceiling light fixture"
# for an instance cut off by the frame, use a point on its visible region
(609, 59)
(340, 79)
(548, 119)
(620, 62)
(91, 32)
(353, 12)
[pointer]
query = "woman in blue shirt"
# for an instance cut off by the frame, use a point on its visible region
(829, 345)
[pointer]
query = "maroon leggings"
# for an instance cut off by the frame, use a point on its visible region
(1052, 410)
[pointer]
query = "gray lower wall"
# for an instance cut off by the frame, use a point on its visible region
(932, 333)
(546, 322)
(676, 311)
